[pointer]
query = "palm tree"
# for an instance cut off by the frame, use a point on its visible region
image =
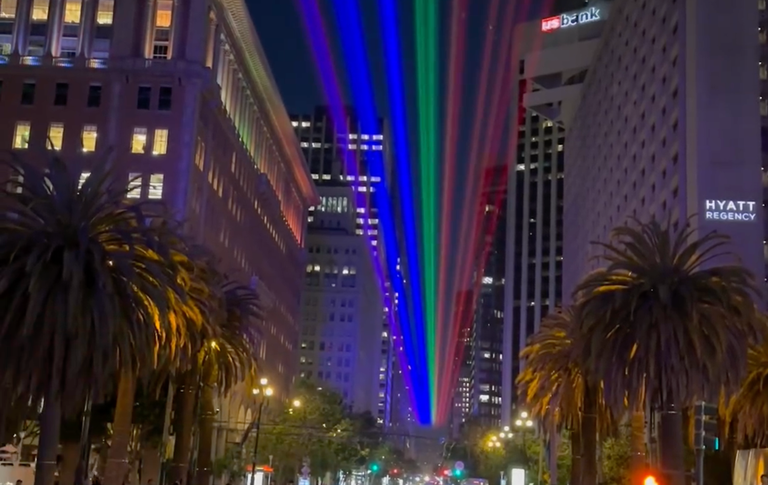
(224, 356)
(225, 362)
(556, 391)
(667, 320)
(84, 291)
(747, 411)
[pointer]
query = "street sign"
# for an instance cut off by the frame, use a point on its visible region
(459, 465)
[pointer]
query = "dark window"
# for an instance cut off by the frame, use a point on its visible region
(28, 94)
(164, 100)
(1, 89)
(94, 95)
(62, 92)
(144, 98)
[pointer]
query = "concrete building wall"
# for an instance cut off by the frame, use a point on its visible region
(180, 96)
(668, 120)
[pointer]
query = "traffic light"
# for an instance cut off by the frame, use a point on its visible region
(374, 467)
(447, 472)
(457, 473)
(707, 426)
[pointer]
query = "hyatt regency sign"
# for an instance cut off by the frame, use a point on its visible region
(730, 210)
(550, 24)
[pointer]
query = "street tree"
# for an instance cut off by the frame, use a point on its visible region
(667, 321)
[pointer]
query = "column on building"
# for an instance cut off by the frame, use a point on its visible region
(87, 24)
(149, 21)
(175, 45)
(211, 49)
(55, 24)
(20, 39)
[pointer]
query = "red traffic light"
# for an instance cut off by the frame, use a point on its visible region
(394, 471)
(447, 473)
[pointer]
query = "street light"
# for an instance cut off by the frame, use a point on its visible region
(265, 393)
(296, 403)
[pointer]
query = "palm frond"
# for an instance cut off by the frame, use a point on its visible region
(667, 316)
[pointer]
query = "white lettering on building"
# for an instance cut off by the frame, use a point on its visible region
(729, 210)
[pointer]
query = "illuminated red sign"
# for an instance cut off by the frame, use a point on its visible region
(570, 19)
(549, 24)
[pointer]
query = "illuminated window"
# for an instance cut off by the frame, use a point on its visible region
(763, 71)
(21, 135)
(134, 185)
(156, 186)
(160, 142)
(40, 11)
(139, 140)
(8, 8)
(72, 12)
(83, 177)
(55, 136)
(164, 13)
(104, 13)
(88, 138)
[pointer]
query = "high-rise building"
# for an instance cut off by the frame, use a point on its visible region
(180, 96)
(329, 154)
(347, 197)
(668, 126)
(464, 306)
(485, 351)
(342, 308)
(554, 55)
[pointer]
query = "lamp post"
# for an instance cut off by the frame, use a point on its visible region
(265, 392)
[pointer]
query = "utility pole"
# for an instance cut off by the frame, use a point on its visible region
(699, 442)
(705, 435)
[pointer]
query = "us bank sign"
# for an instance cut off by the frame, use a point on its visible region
(730, 210)
(550, 24)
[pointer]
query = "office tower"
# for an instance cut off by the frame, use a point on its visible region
(485, 352)
(675, 138)
(183, 101)
(342, 309)
(329, 155)
(554, 55)
(464, 306)
(339, 163)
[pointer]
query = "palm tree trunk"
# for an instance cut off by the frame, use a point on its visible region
(48, 444)
(70, 453)
(205, 430)
(637, 441)
(184, 421)
(575, 456)
(589, 437)
(671, 445)
(117, 459)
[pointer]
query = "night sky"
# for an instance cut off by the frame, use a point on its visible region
(279, 25)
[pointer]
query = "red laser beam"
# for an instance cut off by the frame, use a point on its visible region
(465, 268)
(445, 386)
(496, 128)
(455, 84)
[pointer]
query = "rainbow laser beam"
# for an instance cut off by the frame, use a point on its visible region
(319, 44)
(388, 14)
(353, 46)
(426, 13)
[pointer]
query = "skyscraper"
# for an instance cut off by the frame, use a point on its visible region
(676, 138)
(180, 95)
(348, 212)
(342, 308)
(554, 56)
(486, 336)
